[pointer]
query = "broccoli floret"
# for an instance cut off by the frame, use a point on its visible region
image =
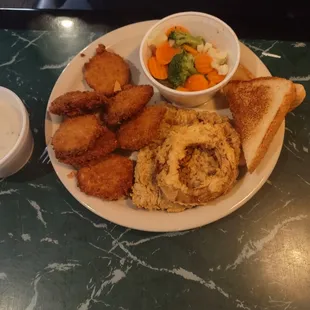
(180, 68)
(181, 38)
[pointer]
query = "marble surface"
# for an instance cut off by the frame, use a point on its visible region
(55, 254)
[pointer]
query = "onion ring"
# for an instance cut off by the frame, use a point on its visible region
(197, 163)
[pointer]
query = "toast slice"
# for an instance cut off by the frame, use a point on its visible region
(259, 107)
(243, 74)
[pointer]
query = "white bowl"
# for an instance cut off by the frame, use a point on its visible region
(212, 30)
(21, 151)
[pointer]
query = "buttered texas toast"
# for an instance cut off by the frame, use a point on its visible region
(258, 107)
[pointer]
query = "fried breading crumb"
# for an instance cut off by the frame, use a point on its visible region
(117, 86)
(71, 175)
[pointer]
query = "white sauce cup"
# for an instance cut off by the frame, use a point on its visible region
(21, 151)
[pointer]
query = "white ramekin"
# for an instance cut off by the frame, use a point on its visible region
(213, 30)
(19, 155)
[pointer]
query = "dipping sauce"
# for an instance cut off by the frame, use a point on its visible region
(10, 127)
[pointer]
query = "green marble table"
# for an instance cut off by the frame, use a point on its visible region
(55, 254)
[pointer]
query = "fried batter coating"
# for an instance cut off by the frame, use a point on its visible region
(198, 163)
(142, 129)
(104, 69)
(76, 135)
(76, 103)
(104, 145)
(111, 178)
(127, 103)
(147, 191)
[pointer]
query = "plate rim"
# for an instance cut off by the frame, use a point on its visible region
(142, 227)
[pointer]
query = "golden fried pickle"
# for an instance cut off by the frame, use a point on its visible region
(142, 129)
(76, 103)
(110, 178)
(76, 135)
(104, 69)
(104, 145)
(127, 103)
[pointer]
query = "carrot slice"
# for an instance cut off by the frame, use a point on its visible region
(157, 70)
(176, 28)
(165, 53)
(180, 88)
(190, 49)
(196, 82)
(203, 63)
(214, 77)
(211, 84)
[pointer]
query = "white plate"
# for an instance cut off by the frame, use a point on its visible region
(125, 41)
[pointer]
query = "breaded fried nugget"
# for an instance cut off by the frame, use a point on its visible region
(76, 135)
(142, 129)
(104, 69)
(127, 103)
(110, 178)
(104, 145)
(76, 103)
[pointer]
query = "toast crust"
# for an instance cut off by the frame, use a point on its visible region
(300, 96)
(272, 129)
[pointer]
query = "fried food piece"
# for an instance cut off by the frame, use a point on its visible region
(104, 69)
(142, 129)
(76, 135)
(111, 178)
(76, 103)
(198, 163)
(127, 86)
(127, 103)
(147, 193)
(104, 145)
(242, 74)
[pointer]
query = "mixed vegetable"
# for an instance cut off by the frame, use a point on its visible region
(185, 62)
